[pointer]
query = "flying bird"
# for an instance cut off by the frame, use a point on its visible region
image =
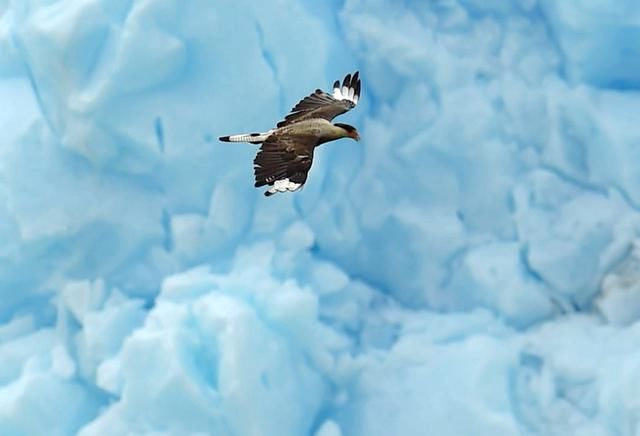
(286, 153)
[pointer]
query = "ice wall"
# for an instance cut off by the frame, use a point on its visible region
(469, 267)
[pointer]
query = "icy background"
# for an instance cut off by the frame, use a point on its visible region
(468, 268)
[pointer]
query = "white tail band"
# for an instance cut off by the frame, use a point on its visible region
(254, 138)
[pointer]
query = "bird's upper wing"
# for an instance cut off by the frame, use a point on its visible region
(327, 106)
(284, 160)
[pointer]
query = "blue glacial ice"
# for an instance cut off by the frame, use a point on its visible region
(471, 267)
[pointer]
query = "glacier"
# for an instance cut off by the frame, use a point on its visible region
(470, 267)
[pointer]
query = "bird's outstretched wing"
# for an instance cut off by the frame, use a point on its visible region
(326, 106)
(283, 162)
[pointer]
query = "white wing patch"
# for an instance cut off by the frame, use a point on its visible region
(284, 185)
(345, 93)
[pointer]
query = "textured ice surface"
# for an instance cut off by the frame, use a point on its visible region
(469, 267)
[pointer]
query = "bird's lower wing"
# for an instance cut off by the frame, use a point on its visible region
(283, 162)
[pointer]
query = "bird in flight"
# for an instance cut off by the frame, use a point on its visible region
(286, 153)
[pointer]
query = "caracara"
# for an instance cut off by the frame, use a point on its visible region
(286, 153)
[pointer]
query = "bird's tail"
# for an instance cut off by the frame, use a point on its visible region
(253, 138)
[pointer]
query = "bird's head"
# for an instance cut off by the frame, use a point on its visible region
(350, 131)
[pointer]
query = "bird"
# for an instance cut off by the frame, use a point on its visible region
(286, 151)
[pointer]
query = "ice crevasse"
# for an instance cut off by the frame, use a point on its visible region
(470, 267)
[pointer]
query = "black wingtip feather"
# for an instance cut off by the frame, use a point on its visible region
(224, 139)
(347, 81)
(336, 84)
